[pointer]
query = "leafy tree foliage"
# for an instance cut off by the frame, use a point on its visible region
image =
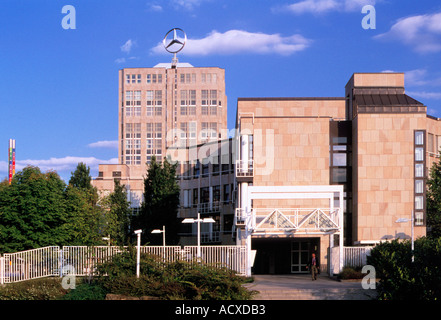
(81, 177)
(32, 211)
(38, 209)
(434, 201)
(117, 216)
(161, 201)
(402, 279)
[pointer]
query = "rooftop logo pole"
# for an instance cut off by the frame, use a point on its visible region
(174, 41)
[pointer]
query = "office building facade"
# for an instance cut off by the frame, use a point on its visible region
(375, 143)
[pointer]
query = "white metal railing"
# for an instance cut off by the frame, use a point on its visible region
(240, 216)
(210, 237)
(295, 219)
(244, 168)
(82, 260)
(207, 207)
(29, 264)
(356, 256)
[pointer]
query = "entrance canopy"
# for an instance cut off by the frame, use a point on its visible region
(270, 221)
(323, 220)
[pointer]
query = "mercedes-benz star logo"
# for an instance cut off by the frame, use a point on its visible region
(178, 41)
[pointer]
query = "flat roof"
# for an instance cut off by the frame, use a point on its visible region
(290, 98)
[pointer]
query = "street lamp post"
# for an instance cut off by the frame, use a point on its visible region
(198, 220)
(412, 219)
(138, 251)
(163, 234)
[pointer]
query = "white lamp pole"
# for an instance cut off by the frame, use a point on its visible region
(412, 219)
(138, 253)
(198, 220)
(163, 234)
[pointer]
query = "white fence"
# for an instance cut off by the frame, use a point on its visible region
(356, 256)
(82, 260)
(352, 257)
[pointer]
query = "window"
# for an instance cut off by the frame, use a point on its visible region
(188, 78)
(205, 195)
(216, 193)
(208, 77)
(197, 169)
(154, 102)
(154, 141)
(227, 195)
(187, 134)
(133, 144)
(419, 170)
(195, 197)
(430, 143)
(339, 159)
(154, 78)
(419, 200)
(339, 175)
(133, 103)
(213, 97)
(204, 98)
(187, 199)
(419, 138)
(419, 154)
(419, 186)
(209, 130)
(133, 78)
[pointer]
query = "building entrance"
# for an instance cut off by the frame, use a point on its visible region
(284, 256)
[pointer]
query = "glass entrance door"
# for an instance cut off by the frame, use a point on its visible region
(300, 256)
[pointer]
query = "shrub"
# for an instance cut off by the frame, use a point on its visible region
(351, 273)
(86, 291)
(38, 289)
(402, 279)
(175, 280)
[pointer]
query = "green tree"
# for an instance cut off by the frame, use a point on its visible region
(32, 211)
(434, 201)
(161, 201)
(118, 215)
(81, 177)
(86, 217)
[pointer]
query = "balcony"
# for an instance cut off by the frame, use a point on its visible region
(244, 169)
(240, 217)
(209, 207)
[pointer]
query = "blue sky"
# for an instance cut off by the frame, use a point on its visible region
(59, 88)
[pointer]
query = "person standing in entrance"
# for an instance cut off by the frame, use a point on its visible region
(314, 267)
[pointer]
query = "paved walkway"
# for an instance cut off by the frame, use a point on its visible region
(301, 287)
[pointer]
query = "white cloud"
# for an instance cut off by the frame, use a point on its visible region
(422, 33)
(155, 7)
(127, 47)
(187, 4)
(425, 95)
(324, 6)
(104, 144)
(415, 77)
(239, 41)
(120, 60)
(418, 78)
(58, 164)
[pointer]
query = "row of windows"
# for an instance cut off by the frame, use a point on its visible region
(154, 78)
(419, 205)
(187, 130)
(193, 197)
(433, 144)
(187, 98)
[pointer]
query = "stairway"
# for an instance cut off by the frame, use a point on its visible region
(300, 287)
(316, 294)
